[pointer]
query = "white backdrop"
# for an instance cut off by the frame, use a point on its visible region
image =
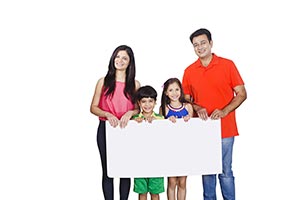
(53, 52)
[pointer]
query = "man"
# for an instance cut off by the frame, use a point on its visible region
(215, 87)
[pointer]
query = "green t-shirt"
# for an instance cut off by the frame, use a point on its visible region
(155, 115)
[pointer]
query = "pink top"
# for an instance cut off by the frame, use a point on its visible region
(117, 104)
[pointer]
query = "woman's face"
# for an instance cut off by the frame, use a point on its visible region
(122, 60)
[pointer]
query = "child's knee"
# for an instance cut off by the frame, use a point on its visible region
(154, 196)
(182, 183)
(172, 183)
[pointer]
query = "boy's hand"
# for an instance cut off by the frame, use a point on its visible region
(149, 119)
(139, 120)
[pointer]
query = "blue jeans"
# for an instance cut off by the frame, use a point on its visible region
(226, 179)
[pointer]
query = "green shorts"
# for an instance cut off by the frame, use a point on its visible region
(152, 185)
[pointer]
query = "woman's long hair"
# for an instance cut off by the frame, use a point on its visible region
(110, 78)
(165, 100)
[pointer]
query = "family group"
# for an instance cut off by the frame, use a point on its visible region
(211, 87)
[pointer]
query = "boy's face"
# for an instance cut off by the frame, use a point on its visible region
(147, 104)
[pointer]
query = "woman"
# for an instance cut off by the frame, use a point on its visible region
(113, 101)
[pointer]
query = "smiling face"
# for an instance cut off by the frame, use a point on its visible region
(122, 60)
(202, 46)
(173, 92)
(147, 105)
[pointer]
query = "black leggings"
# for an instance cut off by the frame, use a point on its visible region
(107, 183)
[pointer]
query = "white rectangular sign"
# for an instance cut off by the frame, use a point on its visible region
(163, 148)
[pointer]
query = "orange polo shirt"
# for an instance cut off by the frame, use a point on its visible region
(212, 88)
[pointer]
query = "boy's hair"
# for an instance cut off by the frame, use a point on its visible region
(201, 31)
(145, 92)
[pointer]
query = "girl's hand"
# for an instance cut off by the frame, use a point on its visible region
(186, 118)
(172, 119)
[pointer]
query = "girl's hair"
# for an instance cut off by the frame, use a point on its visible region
(110, 78)
(165, 100)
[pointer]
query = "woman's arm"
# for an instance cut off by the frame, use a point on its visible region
(113, 120)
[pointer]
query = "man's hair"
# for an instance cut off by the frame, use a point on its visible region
(145, 92)
(201, 31)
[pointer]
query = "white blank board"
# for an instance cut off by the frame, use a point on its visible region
(163, 148)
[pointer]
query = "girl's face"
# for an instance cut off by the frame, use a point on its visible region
(122, 60)
(173, 92)
(147, 105)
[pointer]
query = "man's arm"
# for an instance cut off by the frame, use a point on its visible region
(238, 99)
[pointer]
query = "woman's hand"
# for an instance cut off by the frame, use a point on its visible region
(125, 118)
(113, 120)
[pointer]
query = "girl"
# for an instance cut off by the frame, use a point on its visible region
(173, 105)
(113, 102)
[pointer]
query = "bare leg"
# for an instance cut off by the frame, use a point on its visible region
(154, 196)
(181, 193)
(172, 182)
(143, 196)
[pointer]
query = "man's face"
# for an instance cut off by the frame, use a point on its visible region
(202, 46)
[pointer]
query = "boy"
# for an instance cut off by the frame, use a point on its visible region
(146, 99)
